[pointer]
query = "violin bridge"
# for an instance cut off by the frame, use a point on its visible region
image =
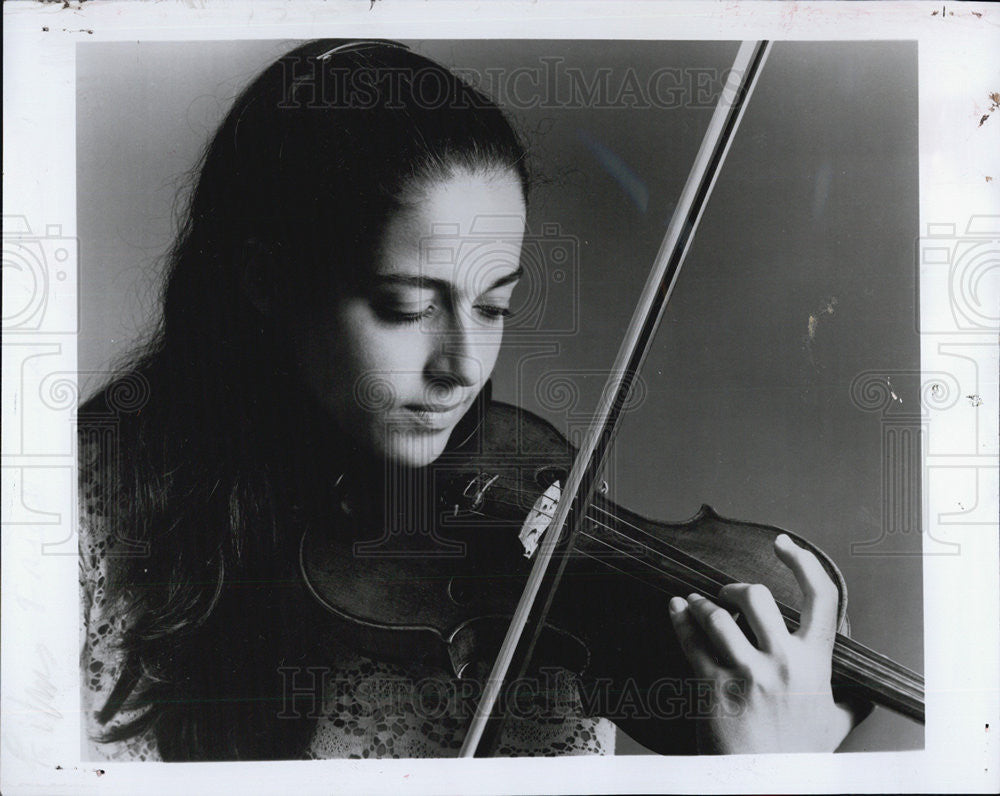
(539, 519)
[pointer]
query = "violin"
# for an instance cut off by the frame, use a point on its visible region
(442, 596)
(507, 548)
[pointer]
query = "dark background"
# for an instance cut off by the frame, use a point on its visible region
(747, 403)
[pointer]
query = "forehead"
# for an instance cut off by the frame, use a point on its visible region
(464, 229)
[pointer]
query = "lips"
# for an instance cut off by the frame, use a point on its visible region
(435, 417)
(441, 408)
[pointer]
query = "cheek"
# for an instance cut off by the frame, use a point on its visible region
(377, 365)
(491, 354)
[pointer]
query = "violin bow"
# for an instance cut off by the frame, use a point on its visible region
(512, 661)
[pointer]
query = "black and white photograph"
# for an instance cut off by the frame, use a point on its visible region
(456, 408)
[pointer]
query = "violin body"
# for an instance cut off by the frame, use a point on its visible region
(433, 579)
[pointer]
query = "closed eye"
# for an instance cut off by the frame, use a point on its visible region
(492, 312)
(400, 316)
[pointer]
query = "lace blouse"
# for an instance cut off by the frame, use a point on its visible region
(370, 708)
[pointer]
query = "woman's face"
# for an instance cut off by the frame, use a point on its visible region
(400, 360)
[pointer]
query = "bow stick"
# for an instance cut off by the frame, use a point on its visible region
(529, 616)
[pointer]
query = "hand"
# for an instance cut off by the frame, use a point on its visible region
(776, 696)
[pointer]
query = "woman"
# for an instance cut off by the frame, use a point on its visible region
(307, 342)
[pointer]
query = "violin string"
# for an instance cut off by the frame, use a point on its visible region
(699, 567)
(846, 651)
(518, 491)
(645, 548)
(877, 663)
(716, 582)
(648, 564)
(855, 662)
(885, 665)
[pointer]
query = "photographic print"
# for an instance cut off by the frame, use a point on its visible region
(523, 396)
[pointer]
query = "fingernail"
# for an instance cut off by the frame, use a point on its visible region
(677, 605)
(694, 597)
(783, 539)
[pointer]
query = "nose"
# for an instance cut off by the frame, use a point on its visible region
(454, 362)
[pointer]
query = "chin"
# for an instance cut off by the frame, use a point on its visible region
(415, 450)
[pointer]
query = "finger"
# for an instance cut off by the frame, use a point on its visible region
(819, 609)
(694, 645)
(757, 604)
(729, 642)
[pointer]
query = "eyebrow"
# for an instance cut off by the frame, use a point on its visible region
(429, 283)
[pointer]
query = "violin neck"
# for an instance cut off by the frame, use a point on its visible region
(870, 675)
(857, 669)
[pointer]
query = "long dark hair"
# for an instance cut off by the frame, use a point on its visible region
(215, 457)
